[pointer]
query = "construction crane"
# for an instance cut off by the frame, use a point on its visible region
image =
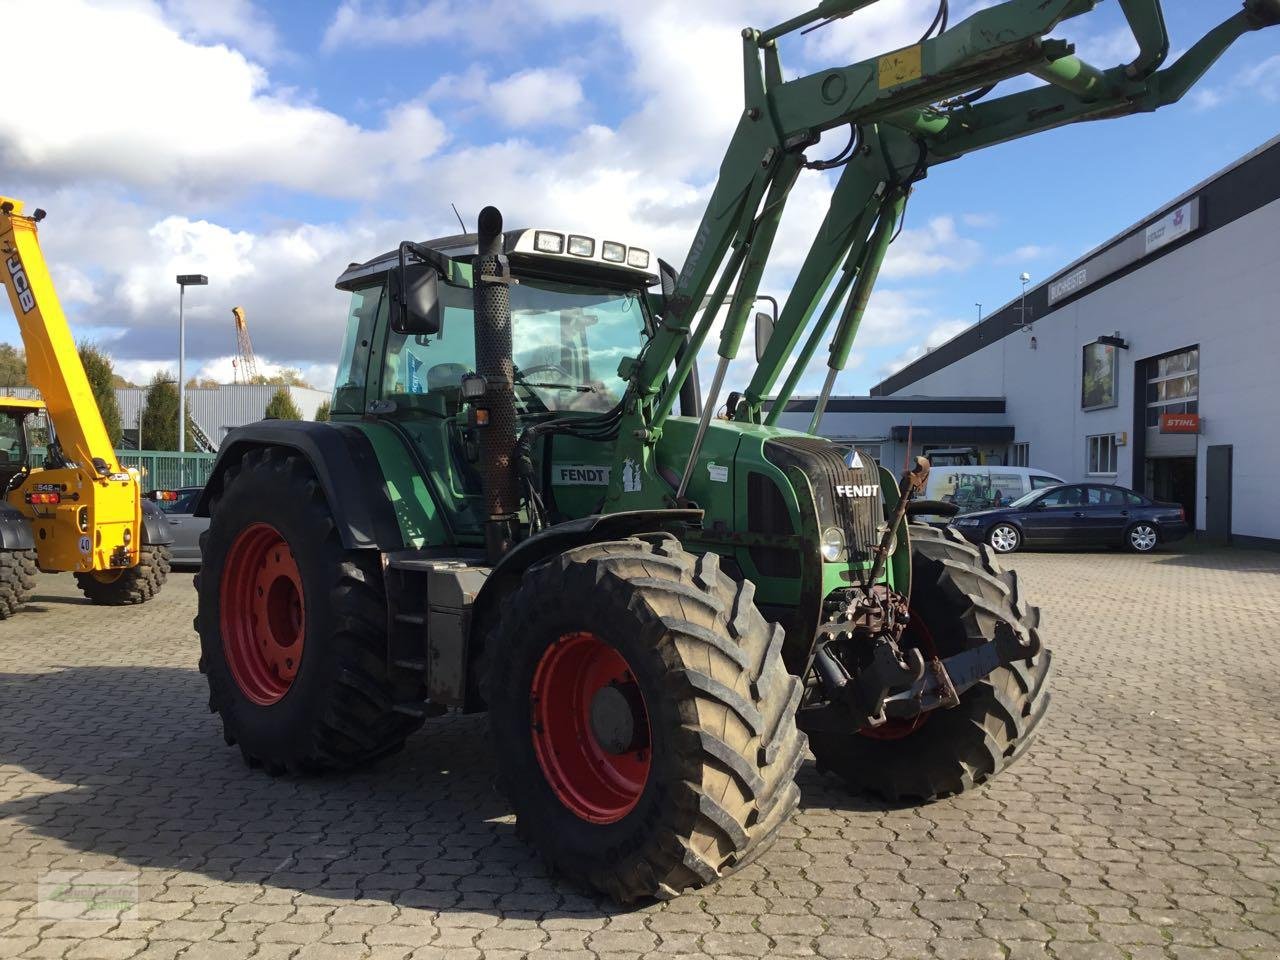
(244, 368)
(81, 511)
(522, 505)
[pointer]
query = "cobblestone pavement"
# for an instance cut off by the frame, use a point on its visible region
(1144, 824)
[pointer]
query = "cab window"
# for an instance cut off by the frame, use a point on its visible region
(367, 307)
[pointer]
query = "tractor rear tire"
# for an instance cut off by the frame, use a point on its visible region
(17, 580)
(708, 778)
(293, 627)
(136, 584)
(959, 591)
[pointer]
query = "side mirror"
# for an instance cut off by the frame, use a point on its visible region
(764, 332)
(415, 300)
(669, 277)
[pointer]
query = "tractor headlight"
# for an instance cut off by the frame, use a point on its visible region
(893, 541)
(582, 246)
(638, 258)
(614, 252)
(544, 241)
(832, 544)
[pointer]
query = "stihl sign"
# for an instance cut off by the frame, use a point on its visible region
(1179, 423)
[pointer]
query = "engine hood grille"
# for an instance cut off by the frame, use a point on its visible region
(846, 496)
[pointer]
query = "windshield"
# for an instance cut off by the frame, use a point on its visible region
(567, 343)
(1026, 499)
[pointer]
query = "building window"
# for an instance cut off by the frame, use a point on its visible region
(1019, 454)
(1102, 454)
(1173, 384)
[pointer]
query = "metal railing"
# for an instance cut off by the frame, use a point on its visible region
(166, 470)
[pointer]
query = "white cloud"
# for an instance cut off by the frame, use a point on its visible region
(358, 24)
(238, 22)
(934, 248)
(1263, 79)
(934, 338)
(1027, 253)
(537, 97)
(158, 112)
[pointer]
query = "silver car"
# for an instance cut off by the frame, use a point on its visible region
(176, 506)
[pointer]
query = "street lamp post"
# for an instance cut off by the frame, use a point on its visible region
(184, 280)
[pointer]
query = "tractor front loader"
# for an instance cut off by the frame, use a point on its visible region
(79, 510)
(523, 504)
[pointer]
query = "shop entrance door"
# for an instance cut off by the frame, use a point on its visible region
(1173, 479)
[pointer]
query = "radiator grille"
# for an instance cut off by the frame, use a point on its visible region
(859, 516)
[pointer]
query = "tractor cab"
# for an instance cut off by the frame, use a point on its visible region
(579, 307)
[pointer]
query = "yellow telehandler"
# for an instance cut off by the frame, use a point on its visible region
(79, 510)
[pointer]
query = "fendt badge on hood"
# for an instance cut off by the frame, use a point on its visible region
(857, 489)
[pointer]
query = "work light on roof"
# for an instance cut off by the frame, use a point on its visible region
(582, 246)
(638, 258)
(544, 241)
(614, 252)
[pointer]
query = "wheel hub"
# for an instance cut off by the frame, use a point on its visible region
(263, 614)
(590, 728)
(614, 712)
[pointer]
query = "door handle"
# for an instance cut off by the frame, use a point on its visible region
(1124, 513)
(1078, 513)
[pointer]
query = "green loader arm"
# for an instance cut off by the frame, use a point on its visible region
(907, 110)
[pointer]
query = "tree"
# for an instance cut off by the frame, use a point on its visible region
(287, 377)
(322, 411)
(13, 366)
(97, 367)
(160, 415)
(282, 407)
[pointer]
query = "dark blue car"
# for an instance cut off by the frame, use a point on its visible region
(1077, 514)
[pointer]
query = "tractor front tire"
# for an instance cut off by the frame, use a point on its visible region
(642, 717)
(136, 584)
(293, 627)
(958, 594)
(17, 580)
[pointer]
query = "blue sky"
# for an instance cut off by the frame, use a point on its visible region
(269, 144)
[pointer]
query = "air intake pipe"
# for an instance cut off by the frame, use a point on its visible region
(495, 409)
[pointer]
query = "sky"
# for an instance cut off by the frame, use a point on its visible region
(268, 145)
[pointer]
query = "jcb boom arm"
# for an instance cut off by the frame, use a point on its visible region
(85, 511)
(53, 364)
(906, 111)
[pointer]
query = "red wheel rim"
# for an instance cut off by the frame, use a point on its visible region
(582, 755)
(916, 635)
(263, 617)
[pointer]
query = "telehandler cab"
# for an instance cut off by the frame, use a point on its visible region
(506, 511)
(78, 511)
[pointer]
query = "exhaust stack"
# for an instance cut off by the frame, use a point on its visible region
(491, 278)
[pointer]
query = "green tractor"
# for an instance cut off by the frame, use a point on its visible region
(524, 504)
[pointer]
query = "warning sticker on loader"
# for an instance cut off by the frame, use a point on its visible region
(899, 67)
(579, 475)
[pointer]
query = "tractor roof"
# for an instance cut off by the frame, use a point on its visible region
(539, 250)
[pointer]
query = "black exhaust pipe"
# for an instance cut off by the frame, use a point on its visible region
(491, 279)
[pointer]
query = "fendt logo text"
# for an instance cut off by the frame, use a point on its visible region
(26, 299)
(857, 490)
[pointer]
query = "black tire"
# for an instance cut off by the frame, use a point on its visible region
(960, 592)
(721, 710)
(17, 580)
(136, 584)
(339, 710)
(1141, 537)
(1004, 538)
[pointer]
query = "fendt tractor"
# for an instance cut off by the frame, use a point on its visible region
(77, 510)
(523, 504)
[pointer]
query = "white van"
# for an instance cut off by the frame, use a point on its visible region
(984, 487)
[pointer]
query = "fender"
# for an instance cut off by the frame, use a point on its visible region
(15, 531)
(344, 463)
(155, 526)
(593, 529)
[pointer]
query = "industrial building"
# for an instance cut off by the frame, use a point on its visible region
(216, 410)
(1149, 362)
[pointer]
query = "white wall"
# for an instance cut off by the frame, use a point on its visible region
(1221, 291)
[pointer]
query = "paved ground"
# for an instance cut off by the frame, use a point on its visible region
(1144, 825)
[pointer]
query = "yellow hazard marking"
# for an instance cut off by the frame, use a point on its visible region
(900, 67)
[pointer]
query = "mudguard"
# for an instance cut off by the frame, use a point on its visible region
(155, 527)
(576, 533)
(345, 465)
(15, 531)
